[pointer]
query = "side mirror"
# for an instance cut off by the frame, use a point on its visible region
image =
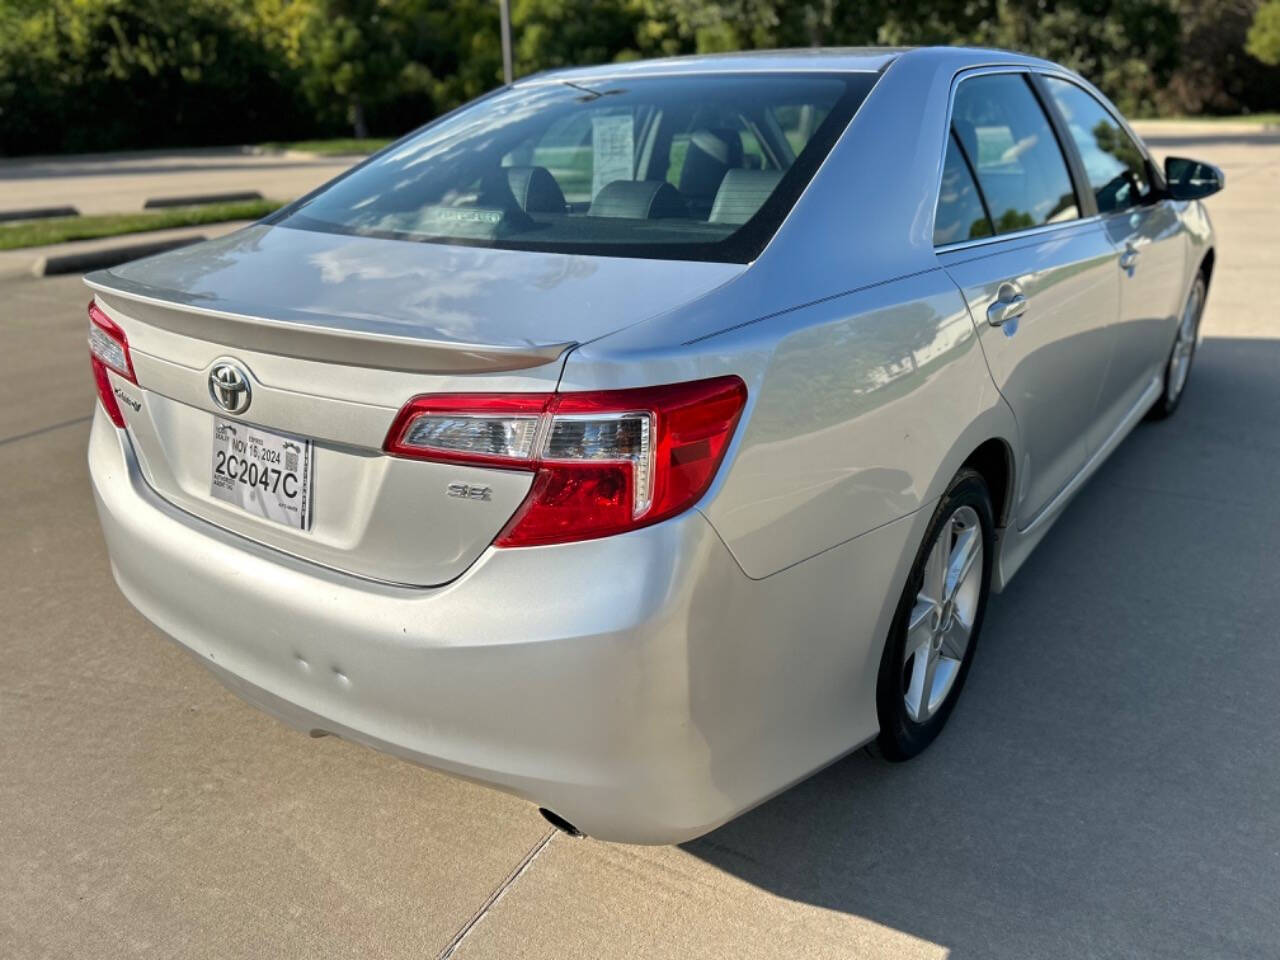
(1191, 179)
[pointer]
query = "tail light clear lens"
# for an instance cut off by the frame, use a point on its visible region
(604, 461)
(496, 429)
(108, 350)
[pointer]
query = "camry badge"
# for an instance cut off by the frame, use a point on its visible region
(229, 386)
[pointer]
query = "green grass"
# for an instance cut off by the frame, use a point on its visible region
(38, 233)
(331, 148)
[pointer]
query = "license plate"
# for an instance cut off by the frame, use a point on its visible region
(263, 473)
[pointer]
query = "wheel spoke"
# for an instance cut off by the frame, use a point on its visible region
(919, 626)
(1185, 344)
(1191, 316)
(935, 570)
(955, 641)
(963, 555)
(924, 666)
(930, 675)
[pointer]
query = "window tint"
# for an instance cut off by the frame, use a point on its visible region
(1019, 164)
(700, 168)
(960, 213)
(1116, 169)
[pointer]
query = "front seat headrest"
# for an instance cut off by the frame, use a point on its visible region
(638, 200)
(711, 153)
(535, 190)
(742, 193)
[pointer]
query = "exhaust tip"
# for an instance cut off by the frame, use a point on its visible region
(559, 822)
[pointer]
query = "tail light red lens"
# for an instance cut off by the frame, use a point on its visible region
(108, 350)
(604, 461)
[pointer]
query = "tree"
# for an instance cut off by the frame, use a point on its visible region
(111, 74)
(1215, 73)
(455, 47)
(1264, 35)
(352, 55)
(558, 33)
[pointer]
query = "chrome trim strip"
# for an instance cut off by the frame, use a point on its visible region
(1029, 233)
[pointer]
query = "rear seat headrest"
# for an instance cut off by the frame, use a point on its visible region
(638, 200)
(741, 194)
(536, 190)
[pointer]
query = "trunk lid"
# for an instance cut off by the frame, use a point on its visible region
(335, 334)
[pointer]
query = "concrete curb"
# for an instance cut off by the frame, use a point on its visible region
(82, 261)
(153, 203)
(50, 260)
(38, 213)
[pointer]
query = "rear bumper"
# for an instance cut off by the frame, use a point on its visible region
(642, 687)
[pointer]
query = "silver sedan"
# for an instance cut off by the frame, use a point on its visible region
(640, 439)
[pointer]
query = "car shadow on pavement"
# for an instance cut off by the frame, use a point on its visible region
(1110, 783)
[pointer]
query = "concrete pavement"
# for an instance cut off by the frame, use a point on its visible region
(1108, 787)
(122, 182)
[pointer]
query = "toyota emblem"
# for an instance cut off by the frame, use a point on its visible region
(229, 386)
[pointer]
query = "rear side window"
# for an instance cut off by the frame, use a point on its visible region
(694, 168)
(961, 215)
(1113, 162)
(1017, 159)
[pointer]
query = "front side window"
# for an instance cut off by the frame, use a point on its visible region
(960, 215)
(1017, 159)
(1114, 164)
(696, 167)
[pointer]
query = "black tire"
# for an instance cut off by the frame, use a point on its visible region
(901, 737)
(1165, 405)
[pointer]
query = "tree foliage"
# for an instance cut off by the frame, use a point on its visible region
(86, 75)
(104, 74)
(1264, 34)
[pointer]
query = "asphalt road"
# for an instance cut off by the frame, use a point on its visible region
(1108, 787)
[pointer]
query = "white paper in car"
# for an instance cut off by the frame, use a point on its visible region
(613, 150)
(263, 473)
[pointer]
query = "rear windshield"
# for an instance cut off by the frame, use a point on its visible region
(688, 168)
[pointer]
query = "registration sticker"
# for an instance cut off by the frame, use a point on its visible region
(263, 473)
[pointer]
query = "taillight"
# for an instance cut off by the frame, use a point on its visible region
(108, 350)
(604, 461)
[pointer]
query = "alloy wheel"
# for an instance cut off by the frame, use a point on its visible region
(1185, 344)
(941, 621)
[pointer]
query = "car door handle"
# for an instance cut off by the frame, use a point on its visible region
(1129, 259)
(1009, 306)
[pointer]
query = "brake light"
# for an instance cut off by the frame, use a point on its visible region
(108, 350)
(604, 461)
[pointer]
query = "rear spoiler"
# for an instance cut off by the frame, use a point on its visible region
(319, 337)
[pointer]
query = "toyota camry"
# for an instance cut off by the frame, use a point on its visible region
(640, 439)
